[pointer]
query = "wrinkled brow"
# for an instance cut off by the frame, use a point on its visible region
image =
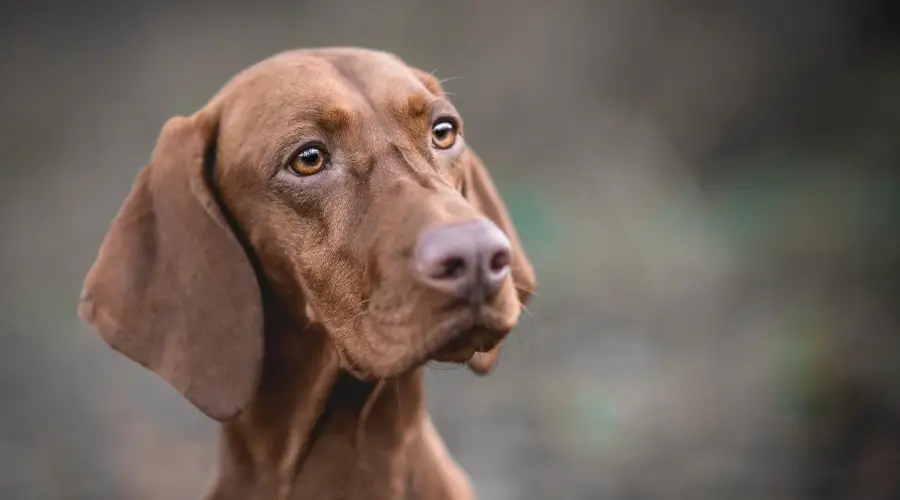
(411, 107)
(333, 119)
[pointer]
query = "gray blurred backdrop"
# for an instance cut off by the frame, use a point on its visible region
(709, 192)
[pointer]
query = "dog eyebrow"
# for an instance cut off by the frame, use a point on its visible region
(416, 106)
(412, 107)
(333, 119)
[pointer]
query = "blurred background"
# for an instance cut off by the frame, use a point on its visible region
(710, 192)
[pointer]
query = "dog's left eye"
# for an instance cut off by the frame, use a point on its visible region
(443, 134)
(309, 161)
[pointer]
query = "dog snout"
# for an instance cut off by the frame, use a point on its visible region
(466, 260)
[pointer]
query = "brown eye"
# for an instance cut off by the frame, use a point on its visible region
(443, 134)
(309, 161)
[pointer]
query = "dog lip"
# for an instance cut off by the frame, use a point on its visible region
(435, 340)
(480, 335)
(459, 349)
(462, 332)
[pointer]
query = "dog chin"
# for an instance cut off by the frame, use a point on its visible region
(468, 342)
(459, 351)
(456, 340)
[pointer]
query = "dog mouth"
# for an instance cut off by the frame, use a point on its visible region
(478, 331)
(464, 344)
(457, 335)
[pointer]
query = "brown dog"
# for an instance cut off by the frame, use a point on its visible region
(290, 258)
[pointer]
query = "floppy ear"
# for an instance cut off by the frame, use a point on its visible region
(479, 189)
(172, 287)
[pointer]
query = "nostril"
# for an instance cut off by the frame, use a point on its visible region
(499, 261)
(450, 268)
(469, 260)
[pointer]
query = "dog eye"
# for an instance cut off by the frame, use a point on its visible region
(443, 134)
(309, 161)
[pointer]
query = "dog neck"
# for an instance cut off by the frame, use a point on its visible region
(309, 416)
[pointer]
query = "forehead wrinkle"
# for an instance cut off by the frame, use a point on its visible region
(394, 91)
(355, 84)
(369, 134)
(335, 118)
(412, 107)
(411, 114)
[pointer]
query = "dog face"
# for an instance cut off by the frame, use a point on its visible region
(335, 183)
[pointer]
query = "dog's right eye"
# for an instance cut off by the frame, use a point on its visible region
(309, 161)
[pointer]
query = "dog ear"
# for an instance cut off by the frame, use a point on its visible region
(172, 287)
(478, 188)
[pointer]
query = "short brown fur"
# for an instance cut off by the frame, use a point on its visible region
(283, 306)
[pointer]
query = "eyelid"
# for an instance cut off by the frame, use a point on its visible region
(443, 110)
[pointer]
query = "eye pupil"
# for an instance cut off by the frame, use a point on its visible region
(310, 156)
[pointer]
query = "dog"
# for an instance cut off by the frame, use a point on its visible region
(290, 258)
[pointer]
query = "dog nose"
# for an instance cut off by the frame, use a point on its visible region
(468, 260)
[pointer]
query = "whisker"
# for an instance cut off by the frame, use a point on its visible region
(360, 315)
(354, 366)
(450, 367)
(364, 417)
(532, 292)
(514, 269)
(519, 340)
(517, 268)
(450, 79)
(528, 312)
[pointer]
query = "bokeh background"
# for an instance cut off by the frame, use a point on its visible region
(710, 192)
